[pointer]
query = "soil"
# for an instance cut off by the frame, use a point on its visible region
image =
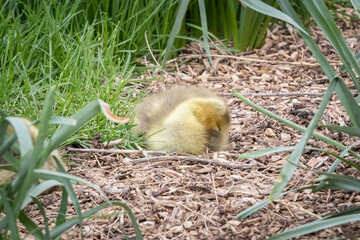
(185, 198)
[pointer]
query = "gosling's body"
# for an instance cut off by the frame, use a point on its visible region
(184, 119)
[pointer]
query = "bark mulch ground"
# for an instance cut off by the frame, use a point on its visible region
(188, 197)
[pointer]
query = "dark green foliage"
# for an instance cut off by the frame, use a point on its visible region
(324, 20)
(25, 159)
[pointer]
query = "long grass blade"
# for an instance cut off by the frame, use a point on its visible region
(22, 133)
(333, 181)
(205, 30)
(273, 12)
(356, 5)
(351, 131)
(47, 174)
(61, 216)
(343, 93)
(29, 163)
(292, 125)
(268, 151)
(46, 221)
(6, 144)
(75, 201)
(315, 226)
(247, 212)
(353, 210)
(343, 67)
(352, 108)
(38, 189)
(323, 18)
(63, 227)
(174, 31)
(264, 152)
(82, 117)
(10, 217)
(31, 226)
(289, 169)
(334, 165)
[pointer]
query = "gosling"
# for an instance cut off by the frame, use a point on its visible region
(183, 119)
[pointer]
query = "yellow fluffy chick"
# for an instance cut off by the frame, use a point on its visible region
(50, 164)
(184, 119)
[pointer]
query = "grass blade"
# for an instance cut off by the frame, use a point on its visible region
(6, 144)
(333, 181)
(315, 226)
(343, 93)
(273, 12)
(28, 164)
(247, 212)
(62, 120)
(353, 210)
(267, 151)
(47, 174)
(343, 67)
(46, 222)
(61, 217)
(38, 189)
(82, 117)
(9, 219)
(351, 131)
(174, 31)
(63, 227)
(337, 161)
(232, 23)
(205, 31)
(75, 201)
(350, 104)
(31, 226)
(22, 134)
(289, 169)
(293, 125)
(356, 5)
(325, 21)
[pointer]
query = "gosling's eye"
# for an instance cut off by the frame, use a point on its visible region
(217, 128)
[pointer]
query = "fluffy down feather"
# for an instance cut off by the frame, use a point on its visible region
(184, 119)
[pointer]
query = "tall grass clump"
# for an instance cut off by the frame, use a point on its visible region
(20, 155)
(323, 18)
(228, 20)
(86, 52)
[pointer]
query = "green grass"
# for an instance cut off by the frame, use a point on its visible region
(88, 50)
(43, 45)
(323, 18)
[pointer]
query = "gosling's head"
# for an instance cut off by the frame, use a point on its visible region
(213, 114)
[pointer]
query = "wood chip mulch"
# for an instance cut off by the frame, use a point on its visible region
(182, 198)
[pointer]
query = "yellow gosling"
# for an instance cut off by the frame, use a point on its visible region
(184, 119)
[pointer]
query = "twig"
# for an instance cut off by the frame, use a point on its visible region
(142, 150)
(114, 151)
(152, 55)
(115, 142)
(279, 94)
(258, 60)
(97, 160)
(216, 196)
(216, 162)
